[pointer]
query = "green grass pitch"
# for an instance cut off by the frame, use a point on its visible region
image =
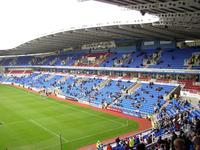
(31, 122)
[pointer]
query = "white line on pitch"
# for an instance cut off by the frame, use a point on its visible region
(15, 122)
(87, 112)
(48, 130)
(83, 137)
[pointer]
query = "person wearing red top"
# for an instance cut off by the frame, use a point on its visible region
(109, 147)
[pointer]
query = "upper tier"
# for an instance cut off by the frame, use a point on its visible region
(187, 58)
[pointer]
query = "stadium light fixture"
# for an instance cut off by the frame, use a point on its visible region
(189, 41)
(22, 20)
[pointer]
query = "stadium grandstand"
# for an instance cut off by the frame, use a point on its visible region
(127, 79)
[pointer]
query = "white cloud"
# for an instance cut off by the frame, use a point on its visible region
(24, 20)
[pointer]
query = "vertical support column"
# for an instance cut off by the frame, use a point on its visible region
(197, 78)
(138, 45)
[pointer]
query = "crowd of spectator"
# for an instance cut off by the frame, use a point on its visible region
(195, 60)
(177, 133)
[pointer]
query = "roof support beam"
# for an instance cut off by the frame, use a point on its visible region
(165, 5)
(146, 32)
(114, 31)
(166, 32)
(142, 35)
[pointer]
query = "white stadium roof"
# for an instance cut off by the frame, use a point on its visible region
(37, 26)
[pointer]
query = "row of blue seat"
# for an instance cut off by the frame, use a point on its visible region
(169, 59)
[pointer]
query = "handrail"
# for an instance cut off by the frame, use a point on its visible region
(150, 70)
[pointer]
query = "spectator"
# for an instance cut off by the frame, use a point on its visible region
(196, 143)
(174, 136)
(160, 141)
(117, 140)
(179, 144)
(109, 147)
(140, 146)
(99, 145)
(131, 143)
(162, 147)
(126, 147)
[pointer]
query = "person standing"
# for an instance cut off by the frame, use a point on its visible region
(99, 145)
(131, 143)
(109, 147)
